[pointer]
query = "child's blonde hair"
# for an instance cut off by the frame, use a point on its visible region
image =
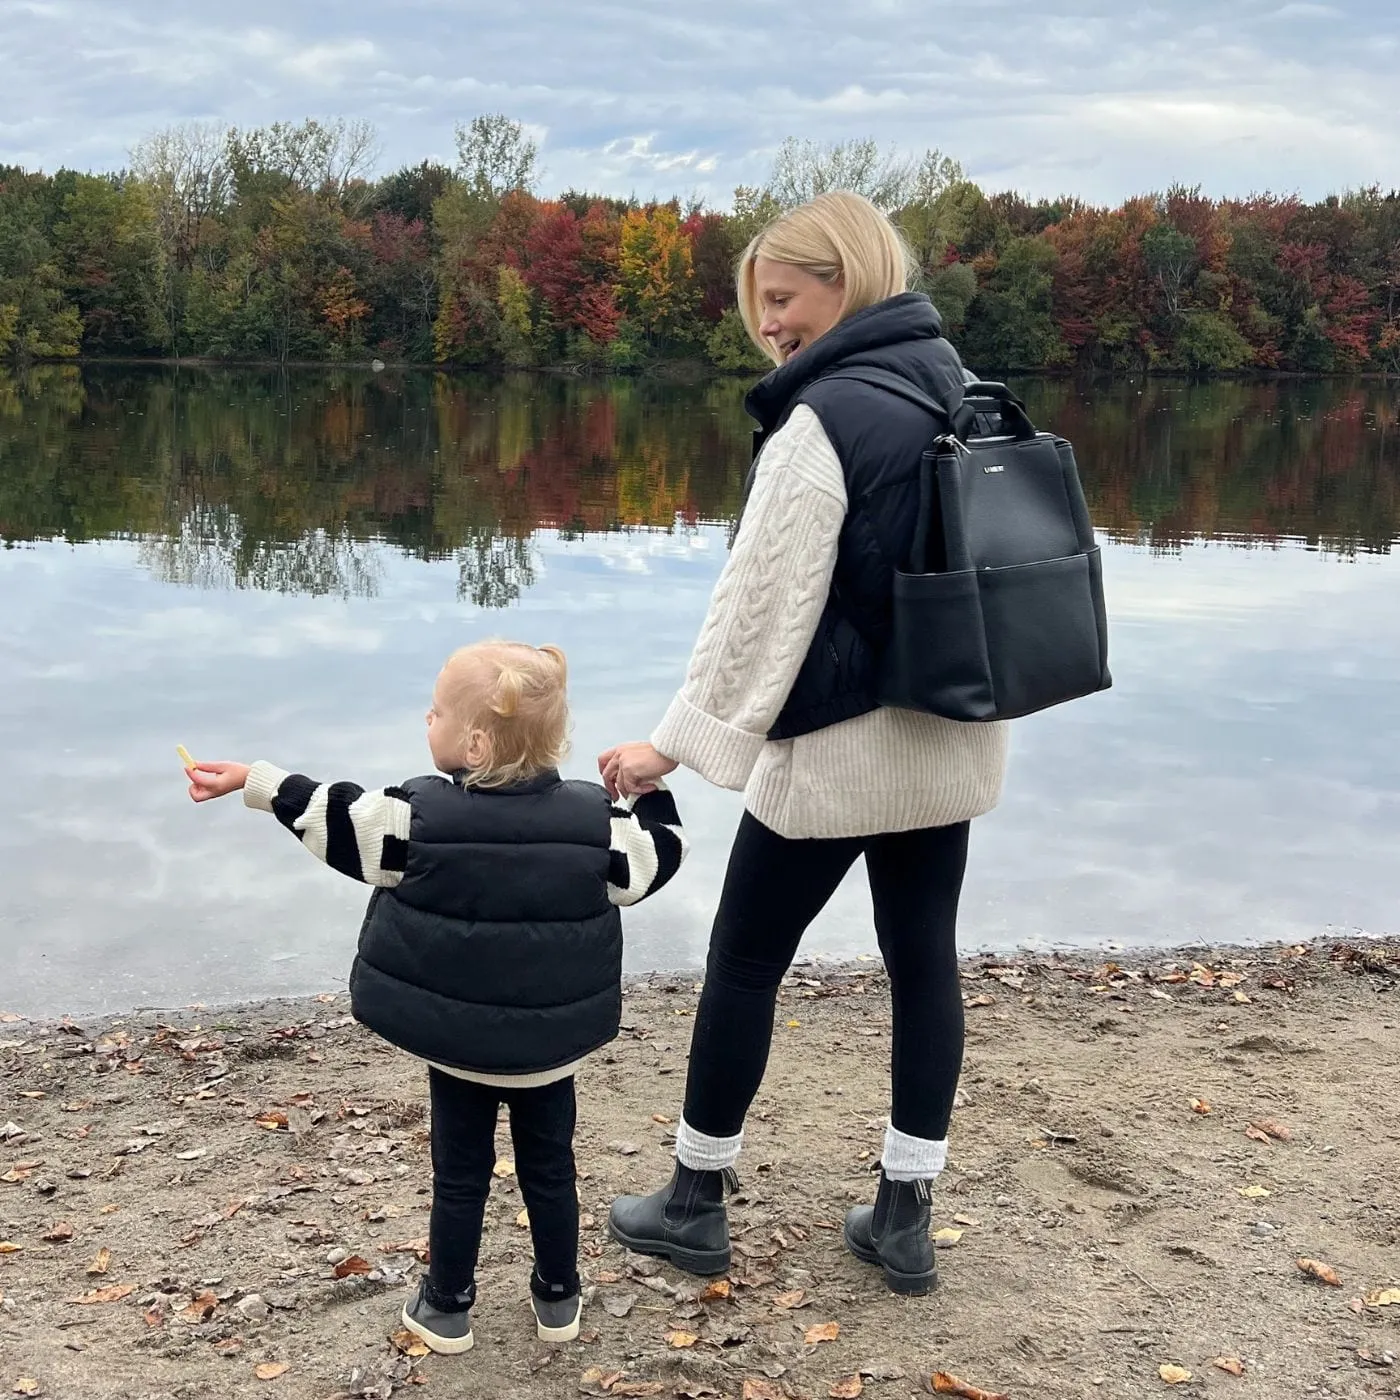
(835, 235)
(516, 695)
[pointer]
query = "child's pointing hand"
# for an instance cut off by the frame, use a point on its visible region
(209, 780)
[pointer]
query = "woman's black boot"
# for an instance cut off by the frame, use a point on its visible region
(684, 1222)
(893, 1233)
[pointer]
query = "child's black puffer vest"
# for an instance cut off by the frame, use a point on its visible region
(499, 951)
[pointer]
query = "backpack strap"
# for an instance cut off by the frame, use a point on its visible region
(963, 420)
(895, 384)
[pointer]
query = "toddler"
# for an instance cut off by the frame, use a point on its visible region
(492, 947)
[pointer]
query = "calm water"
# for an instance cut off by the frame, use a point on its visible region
(264, 565)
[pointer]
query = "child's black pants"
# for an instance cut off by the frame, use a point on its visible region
(464, 1152)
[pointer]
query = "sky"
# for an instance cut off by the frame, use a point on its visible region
(653, 98)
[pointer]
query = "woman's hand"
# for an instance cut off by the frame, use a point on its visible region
(631, 769)
(209, 780)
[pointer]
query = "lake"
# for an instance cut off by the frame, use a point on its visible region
(258, 564)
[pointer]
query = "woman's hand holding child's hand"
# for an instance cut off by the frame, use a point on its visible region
(209, 780)
(631, 769)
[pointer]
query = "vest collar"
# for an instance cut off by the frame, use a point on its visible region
(908, 316)
(541, 782)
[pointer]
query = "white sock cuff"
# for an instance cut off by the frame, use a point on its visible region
(702, 1153)
(908, 1158)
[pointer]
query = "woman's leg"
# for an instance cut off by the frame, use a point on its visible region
(464, 1151)
(542, 1129)
(915, 880)
(773, 889)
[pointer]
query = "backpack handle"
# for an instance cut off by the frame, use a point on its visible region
(1014, 419)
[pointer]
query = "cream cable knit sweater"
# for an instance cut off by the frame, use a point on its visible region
(890, 770)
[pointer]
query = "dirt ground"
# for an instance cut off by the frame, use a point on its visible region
(178, 1192)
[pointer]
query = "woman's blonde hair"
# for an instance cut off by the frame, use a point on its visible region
(517, 696)
(836, 235)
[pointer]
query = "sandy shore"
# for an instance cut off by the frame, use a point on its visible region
(179, 1191)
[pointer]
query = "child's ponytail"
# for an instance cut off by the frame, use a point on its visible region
(510, 684)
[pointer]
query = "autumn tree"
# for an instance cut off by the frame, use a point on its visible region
(656, 286)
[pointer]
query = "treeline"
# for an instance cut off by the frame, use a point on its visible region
(276, 244)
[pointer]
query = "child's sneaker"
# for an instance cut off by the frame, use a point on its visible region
(557, 1318)
(447, 1333)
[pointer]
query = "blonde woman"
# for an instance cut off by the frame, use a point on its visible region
(779, 703)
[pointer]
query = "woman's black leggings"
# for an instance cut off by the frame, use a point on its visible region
(773, 889)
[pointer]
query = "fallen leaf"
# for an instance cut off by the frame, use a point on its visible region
(847, 1388)
(660, 1118)
(762, 1390)
(1318, 1270)
(981, 1000)
(946, 1239)
(355, 1264)
(1232, 1364)
(711, 1293)
(968, 1220)
(1270, 1129)
(270, 1370)
(1172, 1374)
(200, 1309)
(1243, 997)
(27, 1385)
(596, 1378)
(1201, 1106)
(32, 1094)
(61, 1233)
(418, 1247)
(99, 1264)
(822, 1332)
(1258, 1135)
(504, 1168)
(1254, 1193)
(618, 1304)
(636, 1388)
(523, 1219)
(944, 1383)
(680, 1340)
(112, 1294)
(192, 1155)
(793, 1025)
(793, 1298)
(409, 1342)
(229, 1346)
(154, 1317)
(1384, 1297)
(272, 1122)
(6, 1247)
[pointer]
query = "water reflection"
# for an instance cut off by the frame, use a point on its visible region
(260, 565)
(289, 481)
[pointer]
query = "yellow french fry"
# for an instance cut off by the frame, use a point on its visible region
(184, 755)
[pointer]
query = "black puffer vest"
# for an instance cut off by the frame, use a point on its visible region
(499, 951)
(879, 439)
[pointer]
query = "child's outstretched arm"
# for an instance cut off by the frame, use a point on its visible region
(362, 834)
(648, 846)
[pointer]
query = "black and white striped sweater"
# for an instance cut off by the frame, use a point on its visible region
(363, 832)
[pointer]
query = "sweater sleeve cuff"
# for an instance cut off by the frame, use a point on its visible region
(263, 781)
(720, 753)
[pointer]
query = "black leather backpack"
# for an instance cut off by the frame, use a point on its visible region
(999, 611)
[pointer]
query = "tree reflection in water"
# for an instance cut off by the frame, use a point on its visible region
(307, 481)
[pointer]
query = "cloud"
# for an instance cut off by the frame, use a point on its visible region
(1068, 96)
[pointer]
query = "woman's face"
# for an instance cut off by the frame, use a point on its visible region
(797, 307)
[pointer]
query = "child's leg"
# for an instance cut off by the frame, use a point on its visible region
(542, 1129)
(464, 1151)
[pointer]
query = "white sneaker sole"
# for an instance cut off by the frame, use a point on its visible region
(443, 1346)
(567, 1333)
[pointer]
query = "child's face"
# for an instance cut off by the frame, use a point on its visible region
(450, 747)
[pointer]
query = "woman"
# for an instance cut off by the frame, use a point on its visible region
(779, 702)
